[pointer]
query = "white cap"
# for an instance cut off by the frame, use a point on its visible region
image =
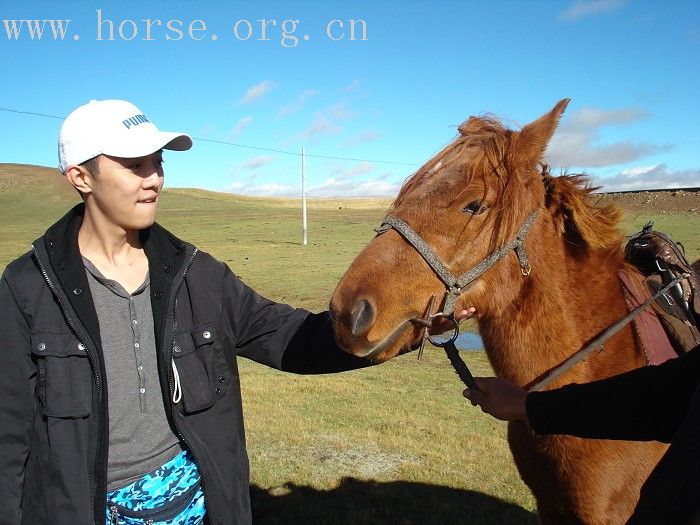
(112, 127)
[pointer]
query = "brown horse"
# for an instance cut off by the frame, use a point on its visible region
(470, 199)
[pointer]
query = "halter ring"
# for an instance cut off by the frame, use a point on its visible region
(439, 339)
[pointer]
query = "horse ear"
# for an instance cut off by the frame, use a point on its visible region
(532, 140)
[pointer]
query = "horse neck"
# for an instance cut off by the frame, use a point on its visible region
(566, 300)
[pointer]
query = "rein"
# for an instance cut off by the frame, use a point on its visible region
(603, 338)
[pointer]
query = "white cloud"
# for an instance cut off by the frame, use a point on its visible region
(241, 125)
(332, 187)
(271, 189)
(257, 91)
(584, 8)
(251, 164)
(341, 182)
(354, 86)
(256, 162)
(321, 125)
(362, 138)
(297, 104)
(648, 178)
(575, 143)
(325, 122)
(340, 111)
(361, 168)
(591, 118)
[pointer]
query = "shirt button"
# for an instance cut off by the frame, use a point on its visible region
(139, 367)
(81, 346)
(176, 349)
(136, 345)
(135, 321)
(41, 347)
(78, 291)
(206, 335)
(142, 390)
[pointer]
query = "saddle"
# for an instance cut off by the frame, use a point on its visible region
(672, 328)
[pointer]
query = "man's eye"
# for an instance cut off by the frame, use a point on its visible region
(474, 208)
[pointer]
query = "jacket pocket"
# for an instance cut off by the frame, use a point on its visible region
(195, 356)
(65, 375)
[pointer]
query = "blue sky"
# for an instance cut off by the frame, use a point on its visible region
(388, 101)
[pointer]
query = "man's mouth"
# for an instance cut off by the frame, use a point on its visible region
(148, 201)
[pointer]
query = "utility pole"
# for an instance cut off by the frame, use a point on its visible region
(303, 196)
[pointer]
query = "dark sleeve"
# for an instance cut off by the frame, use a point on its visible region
(16, 403)
(286, 338)
(644, 404)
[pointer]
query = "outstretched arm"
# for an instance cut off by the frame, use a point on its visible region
(644, 404)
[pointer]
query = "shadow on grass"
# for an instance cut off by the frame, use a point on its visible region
(397, 502)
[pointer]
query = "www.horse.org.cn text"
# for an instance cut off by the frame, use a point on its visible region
(286, 32)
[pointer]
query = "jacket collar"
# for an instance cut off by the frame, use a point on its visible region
(166, 255)
(165, 251)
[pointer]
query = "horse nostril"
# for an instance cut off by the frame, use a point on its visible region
(362, 317)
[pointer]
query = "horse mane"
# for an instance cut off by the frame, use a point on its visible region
(583, 221)
(580, 218)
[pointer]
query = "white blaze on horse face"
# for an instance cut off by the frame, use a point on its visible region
(435, 168)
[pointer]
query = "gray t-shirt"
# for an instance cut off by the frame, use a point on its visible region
(140, 438)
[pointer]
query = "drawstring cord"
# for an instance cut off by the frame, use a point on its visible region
(177, 390)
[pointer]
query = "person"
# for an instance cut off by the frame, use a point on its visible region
(119, 394)
(660, 402)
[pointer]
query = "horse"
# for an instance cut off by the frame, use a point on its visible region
(535, 307)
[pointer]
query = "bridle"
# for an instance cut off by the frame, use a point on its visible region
(456, 285)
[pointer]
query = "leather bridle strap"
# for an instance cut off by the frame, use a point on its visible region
(455, 285)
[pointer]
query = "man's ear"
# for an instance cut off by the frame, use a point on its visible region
(80, 178)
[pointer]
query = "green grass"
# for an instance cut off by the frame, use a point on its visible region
(396, 443)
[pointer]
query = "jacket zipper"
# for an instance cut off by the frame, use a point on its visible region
(95, 373)
(171, 406)
(169, 365)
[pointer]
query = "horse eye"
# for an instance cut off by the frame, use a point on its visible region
(474, 207)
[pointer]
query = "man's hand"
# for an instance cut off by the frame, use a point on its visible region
(500, 398)
(440, 324)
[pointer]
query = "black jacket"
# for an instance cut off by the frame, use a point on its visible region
(659, 403)
(53, 393)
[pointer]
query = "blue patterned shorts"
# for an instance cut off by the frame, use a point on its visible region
(170, 495)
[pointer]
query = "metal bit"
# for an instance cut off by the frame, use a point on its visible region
(426, 322)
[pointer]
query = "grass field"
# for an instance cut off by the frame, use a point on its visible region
(395, 443)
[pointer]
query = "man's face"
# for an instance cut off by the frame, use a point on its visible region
(125, 191)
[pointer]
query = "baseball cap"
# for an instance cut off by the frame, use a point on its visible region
(112, 127)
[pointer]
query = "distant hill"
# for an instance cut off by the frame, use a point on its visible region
(22, 181)
(27, 180)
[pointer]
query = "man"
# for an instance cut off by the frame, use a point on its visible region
(119, 392)
(659, 403)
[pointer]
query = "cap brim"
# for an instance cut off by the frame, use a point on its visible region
(147, 145)
(179, 142)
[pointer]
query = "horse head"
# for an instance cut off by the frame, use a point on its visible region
(465, 203)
